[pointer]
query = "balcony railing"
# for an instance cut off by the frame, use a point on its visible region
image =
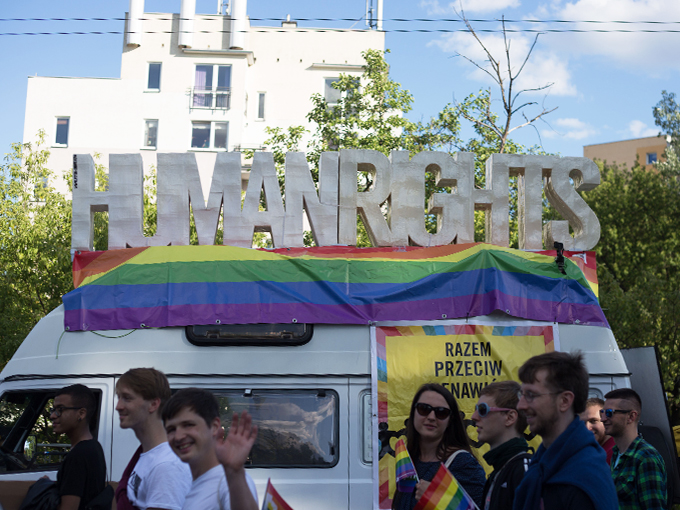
(218, 98)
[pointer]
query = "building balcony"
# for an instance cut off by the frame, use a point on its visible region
(218, 98)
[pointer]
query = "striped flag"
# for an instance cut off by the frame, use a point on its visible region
(272, 500)
(406, 475)
(445, 493)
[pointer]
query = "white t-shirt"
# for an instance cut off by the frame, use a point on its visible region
(159, 480)
(211, 492)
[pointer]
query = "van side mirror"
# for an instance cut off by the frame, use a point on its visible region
(30, 448)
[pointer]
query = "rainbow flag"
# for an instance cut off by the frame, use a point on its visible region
(406, 475)
(167, 286)
(272, 500)
(445, 493)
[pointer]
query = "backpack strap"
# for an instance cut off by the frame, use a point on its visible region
(453, 456)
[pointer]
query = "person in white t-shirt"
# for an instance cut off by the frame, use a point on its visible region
(195, 433)
(155, 477)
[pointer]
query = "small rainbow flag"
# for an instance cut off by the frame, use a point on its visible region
(445, 493)
(272, 500)
(406, 475)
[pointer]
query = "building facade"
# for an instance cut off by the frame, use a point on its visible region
(646, 151)
(199, 83)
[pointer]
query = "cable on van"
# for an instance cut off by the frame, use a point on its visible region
(98, 334)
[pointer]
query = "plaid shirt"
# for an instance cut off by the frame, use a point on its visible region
(639, 477)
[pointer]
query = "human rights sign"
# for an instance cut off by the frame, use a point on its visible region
(462, 356)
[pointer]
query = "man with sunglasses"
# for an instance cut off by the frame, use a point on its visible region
(82, 475)
(591, 417)
(501, 426)
(569, 470)
(638, 470)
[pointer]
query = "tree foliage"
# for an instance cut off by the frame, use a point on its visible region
(639, 258)
(35, 243)
(667, 117)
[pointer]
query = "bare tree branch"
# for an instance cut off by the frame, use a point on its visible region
(506, 80)
(544, 112)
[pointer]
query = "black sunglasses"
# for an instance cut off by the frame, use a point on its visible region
(611, 412)
(441, 413)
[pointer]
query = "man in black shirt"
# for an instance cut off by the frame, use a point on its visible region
(82, 475)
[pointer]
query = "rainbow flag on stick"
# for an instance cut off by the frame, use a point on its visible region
(445, 493)
(406, 475)
(272, 500)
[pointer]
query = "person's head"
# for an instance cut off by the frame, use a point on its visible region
(554, 389)
(141, 394)
(496, 416)
(591, 417)
(73, 409)
(434, 417)
(192, 422)
(621, 412)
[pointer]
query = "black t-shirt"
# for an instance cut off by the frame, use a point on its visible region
(83, 472)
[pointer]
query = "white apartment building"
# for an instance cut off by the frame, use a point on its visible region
(199, 83)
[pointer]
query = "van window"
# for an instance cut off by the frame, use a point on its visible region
(366, 427)
(296, 428)
(250, 334)
(27, 441)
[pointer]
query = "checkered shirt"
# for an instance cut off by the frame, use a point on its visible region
(639, 477)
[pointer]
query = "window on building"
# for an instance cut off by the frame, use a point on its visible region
(154, 82)
(61, 138)
(260, 105)
(651, 158)
(332, 95)
(150, 133)
(209, 135)
(210, 93)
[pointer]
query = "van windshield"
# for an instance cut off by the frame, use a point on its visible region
(27, 441)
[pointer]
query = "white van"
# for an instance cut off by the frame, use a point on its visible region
(308, 387)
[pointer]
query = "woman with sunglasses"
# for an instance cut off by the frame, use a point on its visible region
(434, 434)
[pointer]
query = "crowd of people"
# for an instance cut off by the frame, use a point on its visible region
(185, 460)
(591, 455)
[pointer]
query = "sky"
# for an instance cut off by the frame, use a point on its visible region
(603, 84)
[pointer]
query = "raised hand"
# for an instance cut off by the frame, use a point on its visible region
(232, 451)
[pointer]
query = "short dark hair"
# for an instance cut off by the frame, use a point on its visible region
(566, 371)
(82, 398)
(594, 401)
(628, 394)
(198, 400)
(504, 394)
(147, 382)
(455, 437)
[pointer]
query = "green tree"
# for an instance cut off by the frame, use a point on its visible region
(667, 117)
(638, 257)
(35, 243)
(370, 115)
(639, 262)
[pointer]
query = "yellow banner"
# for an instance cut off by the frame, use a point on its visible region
(464, 358)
